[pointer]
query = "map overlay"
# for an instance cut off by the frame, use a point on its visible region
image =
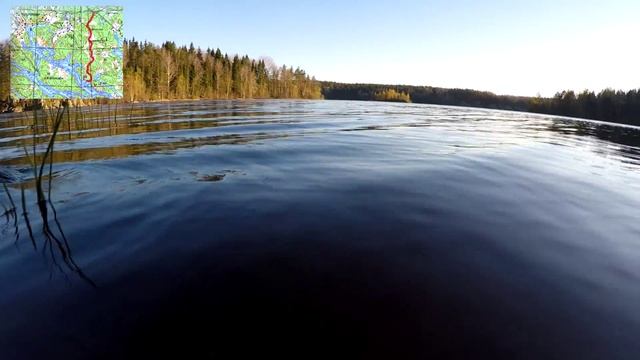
(66, 52)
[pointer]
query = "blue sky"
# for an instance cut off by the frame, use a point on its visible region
(509, 47)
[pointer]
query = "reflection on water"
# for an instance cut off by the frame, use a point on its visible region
(315, 228)
(621, 139)
(54, 242)
(104, 132)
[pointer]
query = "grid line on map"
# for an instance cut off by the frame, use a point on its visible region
(36, 71)
(73, 50)
(76, 48)
(81, 63)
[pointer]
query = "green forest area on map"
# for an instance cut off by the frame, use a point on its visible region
(66, 52)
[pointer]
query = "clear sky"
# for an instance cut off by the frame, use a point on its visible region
(504, 46)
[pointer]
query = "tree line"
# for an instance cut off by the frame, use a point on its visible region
(5, 75)
(168, 71)
(425, 95)
(607, 105)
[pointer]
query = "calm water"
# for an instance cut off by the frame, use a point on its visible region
(324, 229)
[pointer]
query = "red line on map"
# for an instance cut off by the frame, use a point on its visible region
(90, 39)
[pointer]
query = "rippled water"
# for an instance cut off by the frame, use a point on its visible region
(323, 229)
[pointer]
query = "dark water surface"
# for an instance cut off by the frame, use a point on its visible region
(325, 229)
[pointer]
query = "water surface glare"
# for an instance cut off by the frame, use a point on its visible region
(323, 229)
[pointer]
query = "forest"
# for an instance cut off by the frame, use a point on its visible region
(153, 72)
(607, 105)
(171, 72)
(392, 95)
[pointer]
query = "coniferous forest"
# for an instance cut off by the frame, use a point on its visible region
(170, 72)
(153, 72)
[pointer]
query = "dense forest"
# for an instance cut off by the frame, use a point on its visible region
(154, 72)
(5, 73)
(171, 72)
(608, 105)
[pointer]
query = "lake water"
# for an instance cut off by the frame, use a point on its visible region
(323, 229)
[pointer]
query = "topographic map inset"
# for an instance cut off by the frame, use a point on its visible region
(66, 52)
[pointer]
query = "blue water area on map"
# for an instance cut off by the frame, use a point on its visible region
(119, 40)
(323, 229)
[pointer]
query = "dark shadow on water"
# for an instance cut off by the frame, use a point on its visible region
(10, 213)
(55, 242)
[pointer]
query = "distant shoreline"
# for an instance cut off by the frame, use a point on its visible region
(608, 105)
